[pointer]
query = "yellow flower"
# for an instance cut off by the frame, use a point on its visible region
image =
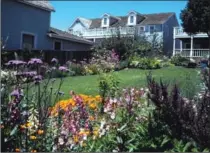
(40, 132)
(28, 124)
(17, 150)
(22, 127)
(32, 137)
(76, 138)
(33, 151)
(92, 106)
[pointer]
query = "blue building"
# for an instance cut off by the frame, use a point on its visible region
(26, 24)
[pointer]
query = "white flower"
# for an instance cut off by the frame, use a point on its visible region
(54, 148)
(61, 141)
(113, 115)
(115, 100)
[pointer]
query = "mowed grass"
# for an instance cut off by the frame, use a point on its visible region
(185, 78)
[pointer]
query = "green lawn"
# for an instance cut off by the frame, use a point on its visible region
(186, 79)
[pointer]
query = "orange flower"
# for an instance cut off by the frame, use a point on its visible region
(32, 137)
(92, 106)
(22, 127)
(33, 151)
(91, 118)
(17, 150)
(40, 132)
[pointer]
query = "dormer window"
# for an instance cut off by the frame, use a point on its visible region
(105, 21)
(131, 19)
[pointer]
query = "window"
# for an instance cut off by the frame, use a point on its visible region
(152, 29)
(142, 29)
(28, 41)
(57, 45)
(131, 19)
(105, 21)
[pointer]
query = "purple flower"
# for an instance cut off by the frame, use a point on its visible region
(15, 62)
(37, 78)
(16, 93)
(54, 60)
(63, 68)
(35, 61)
(27, 74)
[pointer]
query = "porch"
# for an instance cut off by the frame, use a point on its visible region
(191, 47)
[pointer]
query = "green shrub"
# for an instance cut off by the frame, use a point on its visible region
(145, 63)
(77, 68)
(179, 60)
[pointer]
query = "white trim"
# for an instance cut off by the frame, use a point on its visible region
(28, 33)
(54, 41)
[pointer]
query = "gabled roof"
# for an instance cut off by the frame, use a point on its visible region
(56, 33)
(144, 19)
(42, 4)
(111, 16)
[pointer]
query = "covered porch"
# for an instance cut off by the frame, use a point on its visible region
(191, 47)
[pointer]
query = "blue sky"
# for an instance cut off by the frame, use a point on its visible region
(68, 11)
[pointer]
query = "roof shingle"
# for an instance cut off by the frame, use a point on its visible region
(143, 19)
(65, 35)
(43, 4)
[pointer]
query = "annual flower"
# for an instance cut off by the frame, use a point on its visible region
(63, 69)
(54, 60)
(40, 132)
(17, 150)
(32, 137)
(35, 61)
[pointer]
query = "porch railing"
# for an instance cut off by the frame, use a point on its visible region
(195, 52)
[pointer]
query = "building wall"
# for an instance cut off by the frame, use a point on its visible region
(78, 27)
(168, 34)
(70, 45)
(17, 17)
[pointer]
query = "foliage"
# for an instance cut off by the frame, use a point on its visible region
(25, 113)
(178, 60)
(126, 46)
(196, 17)
(144, 63)
(187, 119)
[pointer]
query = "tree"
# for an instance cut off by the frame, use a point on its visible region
(196, 17)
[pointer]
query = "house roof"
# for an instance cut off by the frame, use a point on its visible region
(145, 19)
(56, 33)
(42, 4)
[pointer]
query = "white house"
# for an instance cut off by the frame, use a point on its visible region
(190, 45)
(133, 23)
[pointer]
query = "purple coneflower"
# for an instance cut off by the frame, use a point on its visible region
(63, 68)
(15, 62)
(54, 60)
(35, 61)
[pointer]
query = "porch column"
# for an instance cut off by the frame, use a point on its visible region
(174, 44)
(180, 45)
(191, 48)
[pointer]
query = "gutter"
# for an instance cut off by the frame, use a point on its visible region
(70, 39)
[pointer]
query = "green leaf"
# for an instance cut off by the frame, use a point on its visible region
(186, 147)
(122, 127)
(14, 130)
(165, 140)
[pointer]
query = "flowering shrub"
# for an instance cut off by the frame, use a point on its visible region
(144, 63)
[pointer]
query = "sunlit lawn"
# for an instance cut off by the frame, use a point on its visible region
(185, 78)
